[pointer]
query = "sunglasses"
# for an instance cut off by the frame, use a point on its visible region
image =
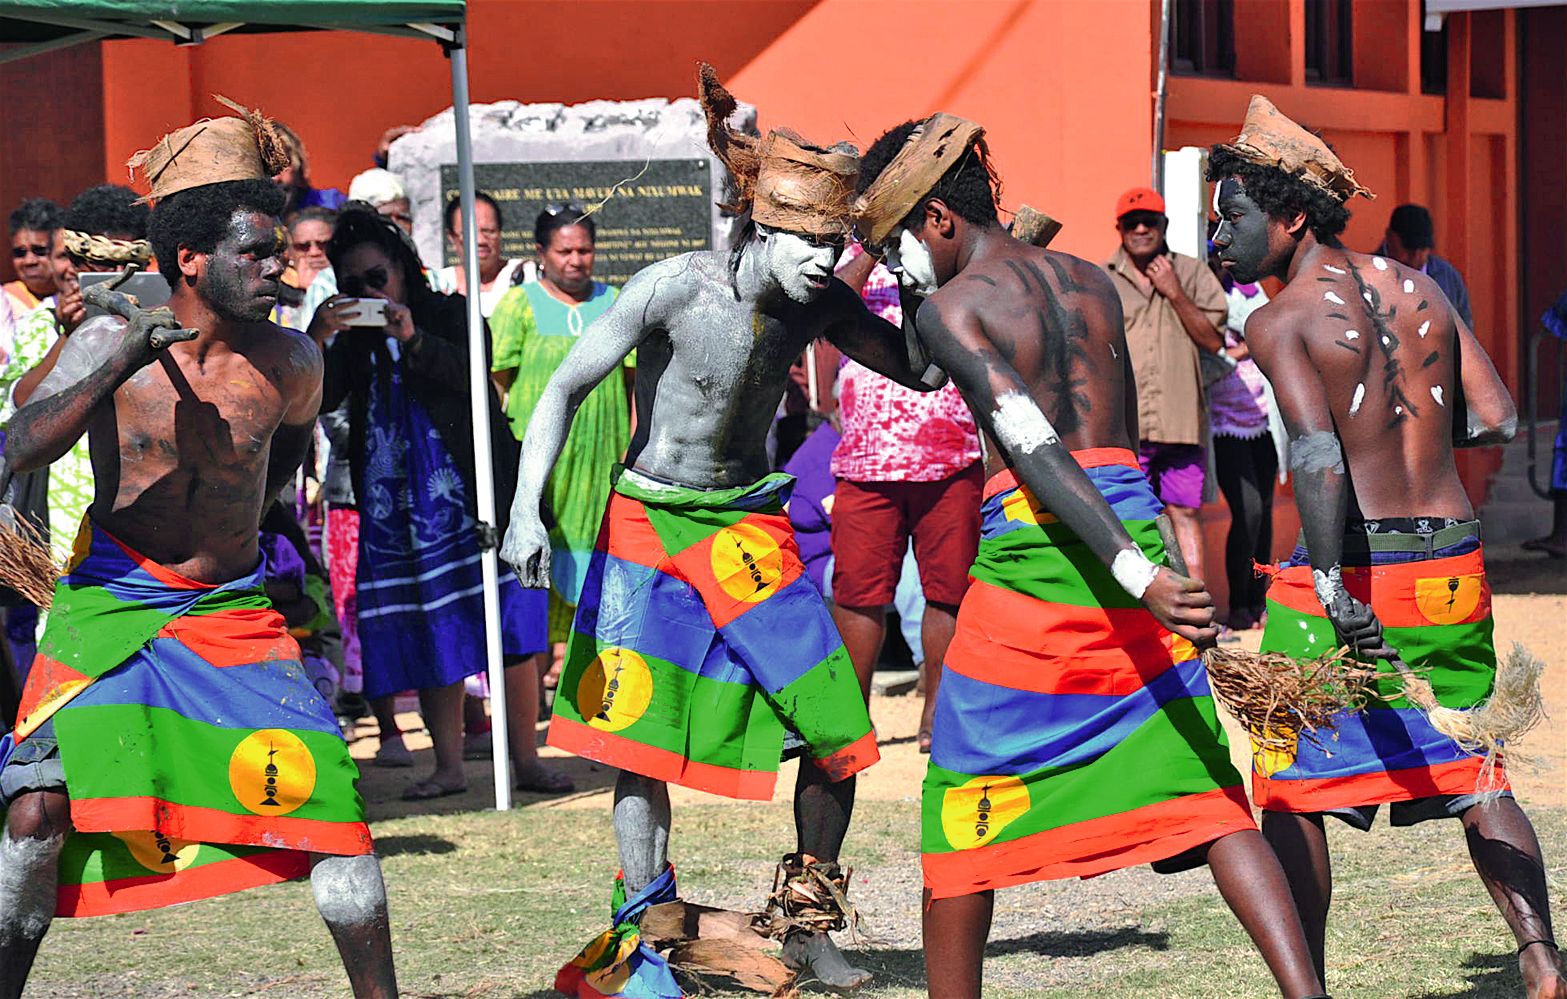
(18, 252)
(306, 245)
(1132, 221)
(354, 285)
(562, 207)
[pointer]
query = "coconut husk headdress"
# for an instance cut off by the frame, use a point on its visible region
(211, 151)
(785, 181)
(927, 154)
(1269, 138)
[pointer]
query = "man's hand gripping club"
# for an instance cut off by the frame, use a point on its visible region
(150, 331)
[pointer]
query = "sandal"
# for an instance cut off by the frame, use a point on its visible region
(428, 790)
(542, 780)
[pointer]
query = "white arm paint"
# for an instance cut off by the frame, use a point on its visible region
(1020, 424)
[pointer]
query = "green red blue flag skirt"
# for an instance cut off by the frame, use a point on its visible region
(1074, 735)
(1437, 613)
(198, 756)
(698, 637)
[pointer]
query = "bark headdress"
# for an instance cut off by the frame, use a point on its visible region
(1269, 138)
(784, 180)
(211, 151)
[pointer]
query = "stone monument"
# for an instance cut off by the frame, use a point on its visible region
(642, 167)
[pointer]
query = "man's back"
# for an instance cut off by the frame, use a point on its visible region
(1056, 320)
(1383, 342)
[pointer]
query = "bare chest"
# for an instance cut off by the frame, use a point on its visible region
(221, 414)
(730, 349)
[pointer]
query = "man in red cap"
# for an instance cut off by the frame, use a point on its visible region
(1174, 308)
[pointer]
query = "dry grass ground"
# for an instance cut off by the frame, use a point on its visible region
(488, 904)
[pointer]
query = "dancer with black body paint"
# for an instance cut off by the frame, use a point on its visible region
(1378, 380)
(1071, 619)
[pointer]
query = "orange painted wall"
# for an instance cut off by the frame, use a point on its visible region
(1068, 133)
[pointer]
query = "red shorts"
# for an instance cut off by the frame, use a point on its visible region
(871, 525)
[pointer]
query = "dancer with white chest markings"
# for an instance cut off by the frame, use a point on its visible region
(1378, 379)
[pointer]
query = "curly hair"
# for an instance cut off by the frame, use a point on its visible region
(969, 186)
(1281, 194)
(37, 215)
(108, 210)
(359, 223)
(198, 218)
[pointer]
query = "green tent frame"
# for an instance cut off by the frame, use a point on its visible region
(46, 25)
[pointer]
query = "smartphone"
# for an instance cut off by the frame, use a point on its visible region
(367, 312)
(149, 290)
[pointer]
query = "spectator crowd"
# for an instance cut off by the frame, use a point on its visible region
(374, 555)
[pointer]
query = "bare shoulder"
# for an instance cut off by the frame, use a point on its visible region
(298, 353)
(669, 283)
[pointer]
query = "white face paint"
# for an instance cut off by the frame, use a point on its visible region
(911, 262)
(802, 268)
(1022, 428)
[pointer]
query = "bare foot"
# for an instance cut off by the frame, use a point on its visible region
(1544, 976)
(816, 953)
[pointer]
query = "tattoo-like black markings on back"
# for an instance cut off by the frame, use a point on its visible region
(1387, 342)
(1347, 346)
(1431, 359)
(1339, 316)
(1422, 306)
(981, 277)
(1062, 341)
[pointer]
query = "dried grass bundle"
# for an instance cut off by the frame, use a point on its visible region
(1280, 700)
(26, 564)
(1514, 707)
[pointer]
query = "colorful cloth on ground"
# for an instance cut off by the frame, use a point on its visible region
(198, 757)
(533, 332)
(1073, 734)
(699, 637)
(617, 964)
(892, 433)
(1437, 613)
(70, 475)
(420, 587)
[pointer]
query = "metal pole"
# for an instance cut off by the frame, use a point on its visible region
(479, 389)
(1158, 97)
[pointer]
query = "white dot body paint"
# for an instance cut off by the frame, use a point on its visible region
(1379, 263)
(1133, 571)
(1398, 410)
(1332, 298)
(1425, 328)
(1387, 341)
(1352, 334)
(1360, 396)
(1366, 295)
(1436, 393)
(1409, 287)
(1020, 425)
(1334, 270)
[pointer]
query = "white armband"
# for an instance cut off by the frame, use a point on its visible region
(1133, 571)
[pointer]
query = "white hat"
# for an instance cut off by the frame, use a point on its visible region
(376, 186)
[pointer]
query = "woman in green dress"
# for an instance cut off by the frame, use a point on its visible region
(534, 326)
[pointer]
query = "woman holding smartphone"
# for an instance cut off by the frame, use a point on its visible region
(420, 595)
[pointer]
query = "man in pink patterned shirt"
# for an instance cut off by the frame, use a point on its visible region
(908, 465)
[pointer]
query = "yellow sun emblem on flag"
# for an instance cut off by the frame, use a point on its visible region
(1267, 761)
(973, 813)
(1449, 599)
(1020, 505)
(271, 772)
(747, 562)
(158, 852)
(615, 689)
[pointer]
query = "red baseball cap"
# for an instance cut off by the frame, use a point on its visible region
(1139, 199)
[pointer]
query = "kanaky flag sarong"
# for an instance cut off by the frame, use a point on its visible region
(617, 964)
(1437, 614)
(1073, 735)
(698, 637)
(198, 756)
